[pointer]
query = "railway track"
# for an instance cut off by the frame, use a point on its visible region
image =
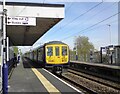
(100, 72)
(84, 88)
(90, 84)
(96, 79)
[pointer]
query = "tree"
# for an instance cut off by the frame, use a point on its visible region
(84, 47)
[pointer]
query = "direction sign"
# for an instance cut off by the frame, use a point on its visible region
(26, 21)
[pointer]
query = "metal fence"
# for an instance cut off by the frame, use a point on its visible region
(83, 58)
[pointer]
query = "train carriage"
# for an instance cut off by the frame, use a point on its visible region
(54, 54)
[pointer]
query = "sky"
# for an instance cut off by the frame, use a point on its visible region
(79, 21)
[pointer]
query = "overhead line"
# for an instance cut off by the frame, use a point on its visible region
(89, 18)
(84, 13)
(69, 7)
(91, 26)
(43, 1)
(91, 29)
(79, 16)
(100, 26)
(21, 11)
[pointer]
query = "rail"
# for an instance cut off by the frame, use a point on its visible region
(99, 70)
(96, 79)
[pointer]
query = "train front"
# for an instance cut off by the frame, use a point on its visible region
(57, 56)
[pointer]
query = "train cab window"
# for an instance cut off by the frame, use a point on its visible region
(49, 51)
(57, 51)
(64, 51)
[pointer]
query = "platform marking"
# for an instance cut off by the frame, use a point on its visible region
(50, 88)
(64, 82)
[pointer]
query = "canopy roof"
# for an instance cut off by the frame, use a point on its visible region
(45, 17)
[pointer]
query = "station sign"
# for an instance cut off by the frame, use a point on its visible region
(25, 21)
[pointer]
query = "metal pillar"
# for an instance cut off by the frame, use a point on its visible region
(109, 33)
(76, 52)
(101, 54)
(1, 60)
(7, 49)
(5, 67)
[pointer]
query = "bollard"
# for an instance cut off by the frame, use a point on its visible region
(5, 79)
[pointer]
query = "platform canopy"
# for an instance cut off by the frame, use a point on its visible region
(27, 22)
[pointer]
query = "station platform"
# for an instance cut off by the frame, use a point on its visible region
(115, 67)
(32, 79)
(111, 72)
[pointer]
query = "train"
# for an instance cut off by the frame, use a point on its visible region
(53, 55)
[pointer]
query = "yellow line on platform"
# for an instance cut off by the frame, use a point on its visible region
(50, 88)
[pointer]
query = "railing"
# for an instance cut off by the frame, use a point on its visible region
(11, 64)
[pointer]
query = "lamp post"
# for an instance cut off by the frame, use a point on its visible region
(76, 51)
(109, 32)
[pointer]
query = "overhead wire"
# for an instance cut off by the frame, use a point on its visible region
(69, 7)
(114, 21)
(90, 17)
(21, 11)
(99, 26)
(91, 26)
(78, 17)
(43, 1)
(82, 14)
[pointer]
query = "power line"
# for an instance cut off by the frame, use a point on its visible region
(79, 16)
(69, 7)
(43, 1)
(92, 16)
(91, 26)
(100, 26)
(21, 11)
(114, 21)
(83, 13)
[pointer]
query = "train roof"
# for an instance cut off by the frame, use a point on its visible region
(55, 42)
(48, 43)
(40, 46)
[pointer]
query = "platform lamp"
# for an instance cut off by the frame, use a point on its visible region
(76, 50)
(109, 32)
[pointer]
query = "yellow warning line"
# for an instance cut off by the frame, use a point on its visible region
(50, 88)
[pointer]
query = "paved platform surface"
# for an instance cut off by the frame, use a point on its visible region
(29, 78)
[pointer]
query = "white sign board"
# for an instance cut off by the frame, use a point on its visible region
(26, 21)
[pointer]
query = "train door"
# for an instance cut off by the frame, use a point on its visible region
(57, 55)
(65, 56)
